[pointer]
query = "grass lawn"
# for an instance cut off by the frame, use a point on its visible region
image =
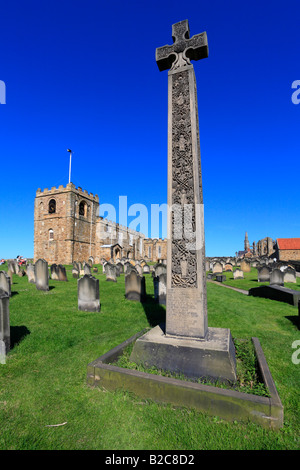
(44, 380)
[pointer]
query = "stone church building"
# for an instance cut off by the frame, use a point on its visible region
(67, 228)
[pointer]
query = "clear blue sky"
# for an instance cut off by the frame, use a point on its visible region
(82, 75)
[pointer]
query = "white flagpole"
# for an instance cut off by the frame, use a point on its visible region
(70, 164)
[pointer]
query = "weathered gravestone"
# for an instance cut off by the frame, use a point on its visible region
(62, 275)
(217, 268)
(75, 273)
(4, 326)
(159, 269)
(139, 269)
(290, 275)
(120, 267)
(41, 275)
(228, 267)
(87, 269)
(5, 283)
(30, 273)
(160, 288)
(54, 272)
(146, 268)
(238, 274)
(135, 287)
(128, 267)
(276, 277)
(245, 266)
(10, 274)
(263, 273)
(88, 294)
(111, 272)
(187, 345)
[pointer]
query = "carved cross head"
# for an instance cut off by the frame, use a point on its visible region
(184, 48)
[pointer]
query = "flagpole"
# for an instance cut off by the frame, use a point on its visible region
(70, 165)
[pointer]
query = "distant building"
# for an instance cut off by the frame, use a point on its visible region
(67, 228)
(287, 249)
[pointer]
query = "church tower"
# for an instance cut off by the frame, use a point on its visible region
(65, 224)
(246, 243)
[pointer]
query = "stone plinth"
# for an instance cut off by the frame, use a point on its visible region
(212, 357)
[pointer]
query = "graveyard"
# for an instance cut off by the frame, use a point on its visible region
(45, 401)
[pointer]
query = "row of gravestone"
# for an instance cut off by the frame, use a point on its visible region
(87, 290)
(276, 276)
(135, 287)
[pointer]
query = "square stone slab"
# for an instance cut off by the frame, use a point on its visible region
(212, 357)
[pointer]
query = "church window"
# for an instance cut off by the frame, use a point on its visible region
(52, 206)
(83, 209)
(51, 234)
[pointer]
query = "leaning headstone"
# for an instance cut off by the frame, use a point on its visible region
(263, 273)
(54, 272)
(41, 275)
(277, 277)
(88, 294)
(4, 326)
(62, 275)
(238, 274)
(160, 288)
(135, 288)
(290, 275)
(5, 283)
(30, 273)
(111, 272)
(184, 344)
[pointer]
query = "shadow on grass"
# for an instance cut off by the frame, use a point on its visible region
(295, 319)
(14, 293)
(155, 313)
(17, 333)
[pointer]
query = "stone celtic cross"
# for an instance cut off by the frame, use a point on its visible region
(184, 48)
(186, 275)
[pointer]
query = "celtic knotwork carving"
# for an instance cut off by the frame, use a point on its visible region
(184, 261)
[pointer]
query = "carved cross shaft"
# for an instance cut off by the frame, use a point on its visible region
(184, 48)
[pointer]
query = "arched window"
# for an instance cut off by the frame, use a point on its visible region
(51, 234)
(83, 208)
(52, 206)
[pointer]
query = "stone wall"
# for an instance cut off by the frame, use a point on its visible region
(286, 255)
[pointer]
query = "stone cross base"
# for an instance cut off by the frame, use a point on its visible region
(212, 357)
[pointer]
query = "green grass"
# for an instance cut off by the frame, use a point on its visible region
(248, 379)
(44, 380)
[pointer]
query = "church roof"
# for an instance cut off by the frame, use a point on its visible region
(288, 243)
